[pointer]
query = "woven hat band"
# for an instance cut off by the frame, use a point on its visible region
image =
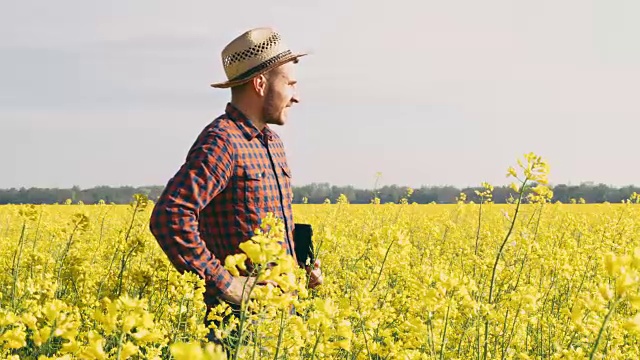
(263, 65)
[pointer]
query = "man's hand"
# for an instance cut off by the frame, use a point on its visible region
(239, 292)
(315, 275)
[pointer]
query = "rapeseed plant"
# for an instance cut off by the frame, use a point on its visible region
(529, 279)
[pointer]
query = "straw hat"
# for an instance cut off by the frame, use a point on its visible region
(253, 53)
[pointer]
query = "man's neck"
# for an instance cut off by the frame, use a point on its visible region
(251, 113)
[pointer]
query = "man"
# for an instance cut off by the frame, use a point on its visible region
(235, 172)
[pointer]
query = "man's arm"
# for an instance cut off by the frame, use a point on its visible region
(174, 221)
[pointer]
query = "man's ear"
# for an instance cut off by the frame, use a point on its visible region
(260, 84)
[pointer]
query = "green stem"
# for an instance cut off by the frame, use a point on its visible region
(280, 335)
(382, 266)
(604, 323)
(366, 342)
(64, 256)
(123, 265)
(495, 264)
(315, 345)
(124, 255)
(35, 241)
(478, 340)
(177, 328)
(477, 237)
(444, 332)
(465, 327)
(16, 265)
(113, 260)
(255, 345)
(513, 329)
(432, 343)
(120, 339)
(243, 313)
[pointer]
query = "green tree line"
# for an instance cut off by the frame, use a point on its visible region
(318, 193)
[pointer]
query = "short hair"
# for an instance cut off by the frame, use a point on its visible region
(239, 89)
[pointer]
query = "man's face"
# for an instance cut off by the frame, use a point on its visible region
(279, 95)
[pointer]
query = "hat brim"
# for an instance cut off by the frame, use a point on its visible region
(236, 82)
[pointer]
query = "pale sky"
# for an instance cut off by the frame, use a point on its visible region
(439, 92)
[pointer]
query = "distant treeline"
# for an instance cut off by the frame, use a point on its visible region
(318, 193)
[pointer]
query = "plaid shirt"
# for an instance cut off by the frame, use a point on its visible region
(233, 175)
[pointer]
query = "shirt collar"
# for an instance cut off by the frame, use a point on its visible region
(248, 129)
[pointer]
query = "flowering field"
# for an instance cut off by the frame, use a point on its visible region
(526, 280)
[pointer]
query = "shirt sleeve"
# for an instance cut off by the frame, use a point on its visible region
(174, 220)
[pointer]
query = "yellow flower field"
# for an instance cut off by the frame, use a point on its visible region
(526, 280)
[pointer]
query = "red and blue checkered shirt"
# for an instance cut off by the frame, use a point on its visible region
(233, 175)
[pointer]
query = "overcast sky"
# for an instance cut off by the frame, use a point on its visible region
(438, 92)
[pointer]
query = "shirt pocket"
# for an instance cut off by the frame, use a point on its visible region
(285, 169)
(254, 186)
(286, 179)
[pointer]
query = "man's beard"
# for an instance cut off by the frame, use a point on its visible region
(271, 113)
